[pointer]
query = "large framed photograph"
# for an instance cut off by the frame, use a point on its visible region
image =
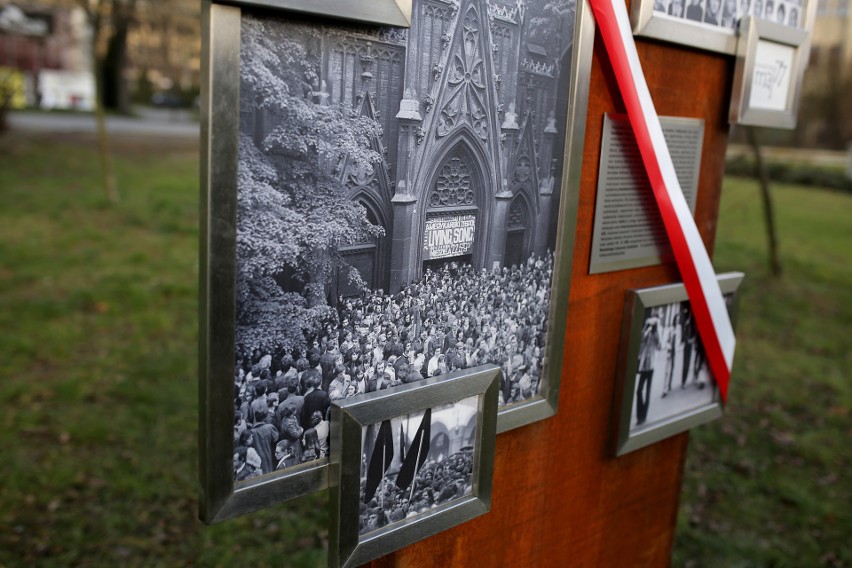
(380, 205)
(770, 70)
(712, 24)
(665, 385)
(411, 462)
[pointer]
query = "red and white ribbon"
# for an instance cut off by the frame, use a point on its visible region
(702, 287)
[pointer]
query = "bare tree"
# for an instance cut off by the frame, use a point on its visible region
(768, 210)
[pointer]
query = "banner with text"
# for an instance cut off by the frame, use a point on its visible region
(448, 235)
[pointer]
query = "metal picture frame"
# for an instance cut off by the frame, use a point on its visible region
(658, 332)
(769, 57)
(220, 496)
(350, 417)
(668, 20)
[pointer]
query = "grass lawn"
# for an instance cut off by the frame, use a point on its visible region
(98, 307)
(769, 484)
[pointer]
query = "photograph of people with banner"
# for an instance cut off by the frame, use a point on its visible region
(413, 461)
(416, 463)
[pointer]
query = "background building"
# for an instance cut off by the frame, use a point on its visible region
(825, 118)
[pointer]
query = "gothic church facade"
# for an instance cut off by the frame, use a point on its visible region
(469, 108)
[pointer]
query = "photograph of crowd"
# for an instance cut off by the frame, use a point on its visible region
(672, 376)
(726, 13)
(395, 221)
(416, 463)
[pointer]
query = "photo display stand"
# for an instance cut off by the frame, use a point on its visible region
(361, 208)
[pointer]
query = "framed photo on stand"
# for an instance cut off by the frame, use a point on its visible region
(352, 238)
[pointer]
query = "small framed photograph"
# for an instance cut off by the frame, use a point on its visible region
(712, 24)
(388, 195)
(771, 62)
(665, 386)
(411, 462)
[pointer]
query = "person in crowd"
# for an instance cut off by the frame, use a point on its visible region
(729, 14)
(242, 469)
(780, 14)
(648, 347)
(265, 437)
(793, 19)
(311, 445)
(695, 11)
(676, 8)
(713, 14)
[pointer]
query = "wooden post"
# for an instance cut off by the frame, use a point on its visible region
(560, 497)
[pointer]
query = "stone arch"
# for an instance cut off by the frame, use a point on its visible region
(462, 148)
(368, 255)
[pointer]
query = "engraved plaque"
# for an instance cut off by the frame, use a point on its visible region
(628, 229)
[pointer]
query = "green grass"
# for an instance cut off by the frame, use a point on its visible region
(769, 484)
(98, 307)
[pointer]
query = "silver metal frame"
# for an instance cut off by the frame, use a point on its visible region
(219, 498)
(544, 405)
(647, 23)
(379, 12)
(752, 32)
(349, 416)
(634, 317)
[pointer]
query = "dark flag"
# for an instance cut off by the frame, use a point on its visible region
(401, 444)
(416, 453)
(380, 460)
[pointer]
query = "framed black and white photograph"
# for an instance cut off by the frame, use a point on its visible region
(411, 462)
(712, 24)
(770, 70)
(381, 205)
(665, 384)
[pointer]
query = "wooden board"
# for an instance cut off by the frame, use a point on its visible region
(560, 498)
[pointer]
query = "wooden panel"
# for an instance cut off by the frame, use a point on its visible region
(559, 497)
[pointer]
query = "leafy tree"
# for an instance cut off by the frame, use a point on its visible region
(549, 24)
(292, 205)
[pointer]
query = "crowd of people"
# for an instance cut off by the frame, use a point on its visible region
(452, 318)
(435, 484)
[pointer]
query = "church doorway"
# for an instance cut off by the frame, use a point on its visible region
(517, 234)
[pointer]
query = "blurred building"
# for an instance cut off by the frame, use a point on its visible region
(48, 49)
(832, 37)
(164, 45)
(825, 117)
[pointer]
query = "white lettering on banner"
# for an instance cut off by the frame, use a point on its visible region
(448, 235)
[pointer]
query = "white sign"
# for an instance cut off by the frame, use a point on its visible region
(448, 235)
(770, 82)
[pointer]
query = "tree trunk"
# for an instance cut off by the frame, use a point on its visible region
(115, 93)
(768, 210)
(110, 187)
